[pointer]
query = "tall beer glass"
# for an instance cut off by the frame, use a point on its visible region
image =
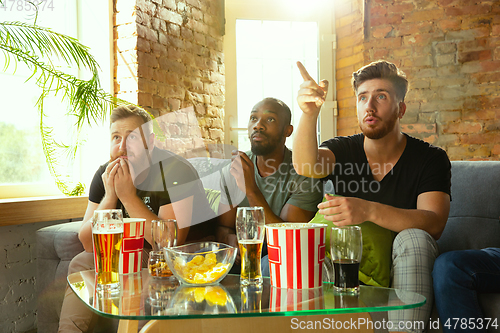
(346, 248)
(250, 230)
(163, 234)
(107, 234)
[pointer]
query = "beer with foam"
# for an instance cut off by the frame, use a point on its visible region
(107, 236)
(107, 246)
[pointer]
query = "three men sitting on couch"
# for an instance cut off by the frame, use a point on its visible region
(412, 197)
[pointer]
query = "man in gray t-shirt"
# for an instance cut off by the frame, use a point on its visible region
(265, 176)
(283, 187)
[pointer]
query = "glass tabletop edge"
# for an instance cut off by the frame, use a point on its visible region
(293, 313)
(255, 314)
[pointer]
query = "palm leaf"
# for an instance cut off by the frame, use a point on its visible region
(46, 43)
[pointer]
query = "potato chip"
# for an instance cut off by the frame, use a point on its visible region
(201, 269)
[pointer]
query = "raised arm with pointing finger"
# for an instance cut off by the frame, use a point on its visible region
(308, 160)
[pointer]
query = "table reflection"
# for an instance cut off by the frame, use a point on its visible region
(212, 299)
(160, 293)
(284, 300)
(142, 296)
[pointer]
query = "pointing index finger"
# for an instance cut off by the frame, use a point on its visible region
(303, 72)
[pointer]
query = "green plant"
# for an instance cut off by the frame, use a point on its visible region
(35, 47)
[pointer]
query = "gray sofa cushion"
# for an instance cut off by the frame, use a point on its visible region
(473, 222)
(56, 246)
(475, 186)
(464, 233)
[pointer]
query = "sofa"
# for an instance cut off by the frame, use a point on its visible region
(55, 247)
(474, 219)
(473, 223)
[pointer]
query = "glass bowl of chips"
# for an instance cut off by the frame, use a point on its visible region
(202, 263)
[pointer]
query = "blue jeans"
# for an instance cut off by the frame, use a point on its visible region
(459, 276)
(264, 265)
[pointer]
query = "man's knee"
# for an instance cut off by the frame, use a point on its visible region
(416, 242)
(444, 263)
(450, 265)
(83, 261)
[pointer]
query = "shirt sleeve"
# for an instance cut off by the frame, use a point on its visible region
(436, 174)
(345, 148)
(97, 191)
(307, 194)
(330, 144)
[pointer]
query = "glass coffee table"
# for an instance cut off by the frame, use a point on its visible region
(230, 307)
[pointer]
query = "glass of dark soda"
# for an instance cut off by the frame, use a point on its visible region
(346, 248)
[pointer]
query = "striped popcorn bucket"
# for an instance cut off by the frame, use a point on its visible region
(131, 303)
(132, 245)
(296, 253)
(283, 300)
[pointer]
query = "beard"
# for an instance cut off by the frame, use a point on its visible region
(266, 147)
(262, 149)
(378, 132)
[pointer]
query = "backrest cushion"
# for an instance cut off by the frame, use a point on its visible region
(473, 222)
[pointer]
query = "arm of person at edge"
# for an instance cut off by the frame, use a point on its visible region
(242, 169)
(432, 209)
(118, 184)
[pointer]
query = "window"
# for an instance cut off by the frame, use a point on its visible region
(23, 170)
(263, 42)
(266, 56)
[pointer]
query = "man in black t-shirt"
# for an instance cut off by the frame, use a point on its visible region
(141, 179)
(387, 177)
(421, 168)
(145, 182)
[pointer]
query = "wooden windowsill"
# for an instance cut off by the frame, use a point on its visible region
(41, 209)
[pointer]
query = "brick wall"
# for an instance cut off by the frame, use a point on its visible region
(350, 57)
(449, 49)
(169, 59)
(17, 279)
